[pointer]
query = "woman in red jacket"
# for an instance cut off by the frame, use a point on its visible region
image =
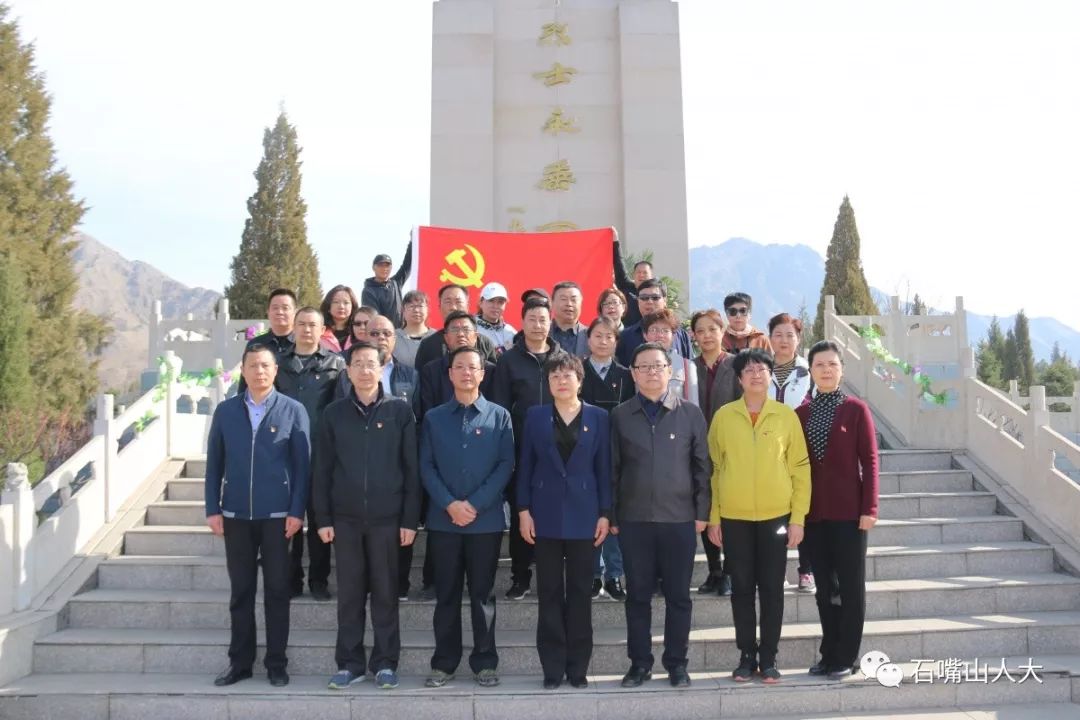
(842, 441)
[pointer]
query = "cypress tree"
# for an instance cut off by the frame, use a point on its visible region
(918, 307)
(1025, 357)
(38, 212)
(844, 276)
(274, 251)
(1010, 358)
(989, 366)
(15, 388)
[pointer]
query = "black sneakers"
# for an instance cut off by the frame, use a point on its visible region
(614, 590)
(517, 591)
(747, 667)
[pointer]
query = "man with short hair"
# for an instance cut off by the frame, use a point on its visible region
(308, 374)
(466, 458)
(520, 382)
(566, 327)
(643, 270)
(451, 298)
(652, 297)
(661, 475)
(490, 321)
(398, 380)
(367, 500)
(435, 385)
(740, 334)
(257, 471)
(382, 291)
(280, 313)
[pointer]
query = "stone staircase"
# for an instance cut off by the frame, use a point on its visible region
(947, 578)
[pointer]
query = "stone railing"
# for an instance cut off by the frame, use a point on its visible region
(199, 342)
(43, 527)
(1066, 422)
(1020, 446)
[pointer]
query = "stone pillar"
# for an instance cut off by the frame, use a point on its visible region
(20, 496)
(556, 115)
(105, 426)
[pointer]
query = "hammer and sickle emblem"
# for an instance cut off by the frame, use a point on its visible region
(473, 276)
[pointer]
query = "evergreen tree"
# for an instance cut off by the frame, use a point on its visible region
(995, 340)
(806, 337)
(990, 370)
(918, 307)
(1025, 357)
(16, 391)
(37, 216)
(274, 251)
(1058, 378)
(1055, 353)
(1010, 359)
(844, 276)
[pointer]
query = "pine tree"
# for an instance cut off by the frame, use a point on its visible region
(990, 369)
(995, 340)
(16, 391)
(918, 307)
(37, 216)
(1055, 353)
(806, 337)
(1025, 357)
(274, 251)
(1010, 359)
(844, 276)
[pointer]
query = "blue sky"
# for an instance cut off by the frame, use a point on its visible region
(952, 126)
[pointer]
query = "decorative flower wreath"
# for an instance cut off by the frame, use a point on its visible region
(924, 381)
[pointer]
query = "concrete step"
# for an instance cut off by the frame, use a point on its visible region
(111, 696)
(905, 505)
(312, 651)
(907, 460)
(913, 481)
(886, 599)
(884, 562)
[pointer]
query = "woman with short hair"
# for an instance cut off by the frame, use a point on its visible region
(612, 304)
(563, 502)
(414, 311)
(842, 441)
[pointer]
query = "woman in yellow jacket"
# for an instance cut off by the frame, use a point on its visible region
(760, 497)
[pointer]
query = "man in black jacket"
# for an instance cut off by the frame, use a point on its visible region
(280, 313)
(520, 382)
(661, 474)
(452, 298)
(382, 291)
(367, 502)
(435, 385)
(643, 270)
(309, 374)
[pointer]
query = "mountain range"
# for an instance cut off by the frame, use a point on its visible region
(124, 291)
(781, 278)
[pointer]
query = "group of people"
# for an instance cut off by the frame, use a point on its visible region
(608, 449)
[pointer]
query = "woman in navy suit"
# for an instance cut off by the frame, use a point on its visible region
(564, 497)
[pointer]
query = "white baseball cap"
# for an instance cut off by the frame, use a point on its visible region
(493, 290)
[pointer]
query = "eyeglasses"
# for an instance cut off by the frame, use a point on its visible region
(661, 331)
(380, 333)
(366, 367)
(470, 369)
(562, 376)
(360, 323)
(612, 304)
(649, 298)
(756, 369)
(652, 369)
(735, 311)
(459, 330)
(415, 306)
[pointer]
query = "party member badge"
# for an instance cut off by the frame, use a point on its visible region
(378, 425)
(273, 428)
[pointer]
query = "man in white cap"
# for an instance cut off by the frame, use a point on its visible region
(489, 321)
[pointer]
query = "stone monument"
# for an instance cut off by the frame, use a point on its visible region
(561, 114)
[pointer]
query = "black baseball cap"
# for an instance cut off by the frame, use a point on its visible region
(382, 258)
(535, 292)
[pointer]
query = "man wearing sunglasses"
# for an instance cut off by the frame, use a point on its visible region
(652, 298)
(740, 334)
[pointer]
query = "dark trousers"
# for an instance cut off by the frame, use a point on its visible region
(713, 554)
(245, 542)
(838, 553)
(806, 564)
(521, 552)
(664, 551)
(405, 558)
(458, 557)
(564, 637)
(757, 563)
(318, 555)
(367, 565)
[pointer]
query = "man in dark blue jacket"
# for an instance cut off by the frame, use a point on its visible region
(382, 291)
(466, 457)
(652, 298)
(257, 473)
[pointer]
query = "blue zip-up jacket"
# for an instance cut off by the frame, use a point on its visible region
(466, 453)
(261, 475)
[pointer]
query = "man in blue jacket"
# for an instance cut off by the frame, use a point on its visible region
(257, 472)
(466, 457)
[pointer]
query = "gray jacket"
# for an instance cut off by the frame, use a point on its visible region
(661, 473)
